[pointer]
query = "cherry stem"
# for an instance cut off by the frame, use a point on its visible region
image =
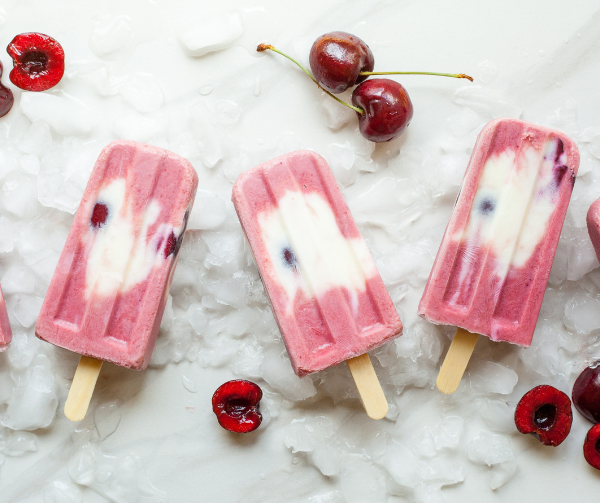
(265, 47)
(453, 75)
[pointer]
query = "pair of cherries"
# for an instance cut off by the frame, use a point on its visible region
(339, 61)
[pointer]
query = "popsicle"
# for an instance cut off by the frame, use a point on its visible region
(328, 298)
(593, 225)
(493, 264)
(5, 331)
(109, 290)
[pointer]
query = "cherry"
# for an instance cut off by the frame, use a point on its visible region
(387, 109)
(99, 215)
(591, 446)
(586, 393)
(545, 412)
(236, 405)
(6, 96)
(383, 106)
(337, 58)
(38, 60)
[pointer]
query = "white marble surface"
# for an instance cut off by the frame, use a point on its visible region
(136, 69)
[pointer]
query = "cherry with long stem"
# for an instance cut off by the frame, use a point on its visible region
(266, 47)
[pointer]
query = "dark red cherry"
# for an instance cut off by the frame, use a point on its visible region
(6, 97)
(236, 404)
(337, 58)
(586, 393)
(38, 60)
(387, 109)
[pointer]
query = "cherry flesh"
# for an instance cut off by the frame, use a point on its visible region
(586, 393)
(545, 412)
(337, 58)
(236, 405)
(591, 446)
(387, 109)
(38, 60)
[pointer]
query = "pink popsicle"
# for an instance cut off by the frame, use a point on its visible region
(108, 293)
(5, 331)
(328, 298)
(492, 267)
(593, 225)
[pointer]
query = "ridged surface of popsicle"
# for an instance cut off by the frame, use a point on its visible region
(492, 267)
(327, 296)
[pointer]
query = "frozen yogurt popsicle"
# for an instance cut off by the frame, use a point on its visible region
(593, 225)
(5, 331)
(109, 290)
(492, 267)
(328, 298)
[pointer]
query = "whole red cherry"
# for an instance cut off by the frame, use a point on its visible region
(337, 58)
(387, 109)
(586, 393)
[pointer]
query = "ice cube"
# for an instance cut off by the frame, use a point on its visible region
(209, 211)
(582, 314)
(489, 449)
(64, 114)
(336, 115)
(448, 432)
(30, 164)
(107, 418)
(110, 35)
(19, 195)
(498, 415)
(18, 279)
(17, 443)
(61, 491)
(118, 478)
(277, 370)
(25, 308)
(502, 473)
(23, 348)
(37, 139)
(143, 92)
(34, 401)
(341, 158)
(213, 31)
(490, 377)
(7, 238)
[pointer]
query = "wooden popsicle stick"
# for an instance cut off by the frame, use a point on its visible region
(456, 361)
(368, 386)
(82, 388)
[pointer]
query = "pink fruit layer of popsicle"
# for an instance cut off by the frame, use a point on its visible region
(492, 267)
(5, 331)
(328, 298)
(108, 293)
(593, 225)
